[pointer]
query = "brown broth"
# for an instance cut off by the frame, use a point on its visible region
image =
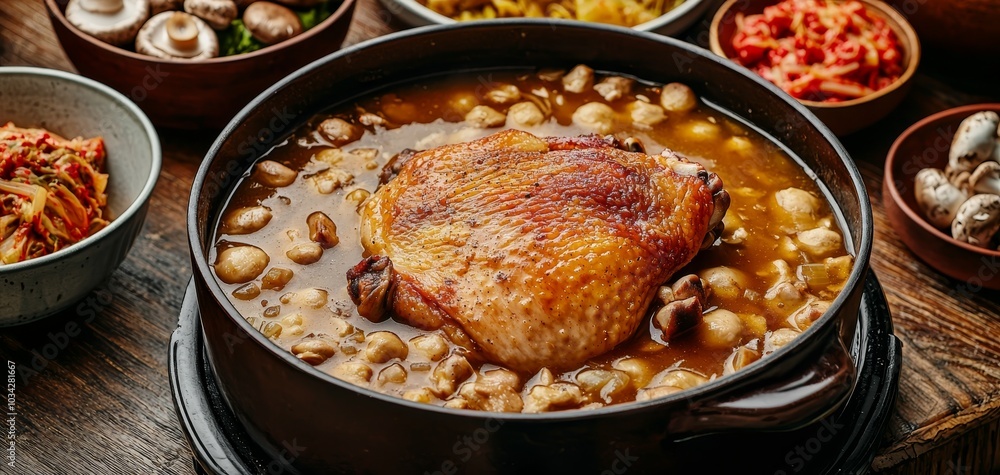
(430, 113)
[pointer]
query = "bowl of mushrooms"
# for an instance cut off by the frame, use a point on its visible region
(192, 64)
(942, 192)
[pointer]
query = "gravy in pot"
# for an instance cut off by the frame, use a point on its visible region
(776, 267)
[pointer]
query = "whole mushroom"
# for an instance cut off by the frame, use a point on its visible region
(177, 35)
(986, 178)
(974, 142)
(219, 14)
(977, 220)
(271, 23)
(938, 198)
(112, 21)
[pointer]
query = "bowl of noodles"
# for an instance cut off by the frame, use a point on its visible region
(668, 17)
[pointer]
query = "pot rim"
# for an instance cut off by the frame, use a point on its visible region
(155, 163)
(721, 385)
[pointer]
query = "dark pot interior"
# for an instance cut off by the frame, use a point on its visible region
(318, 424)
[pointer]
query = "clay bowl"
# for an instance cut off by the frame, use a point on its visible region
(845, 117)
(269, 389)
(195, 95)
(74, 106)
(925, 144)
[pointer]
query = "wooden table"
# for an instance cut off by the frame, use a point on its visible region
(100, 400)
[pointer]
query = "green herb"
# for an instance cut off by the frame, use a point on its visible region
(316, 14)
(237, 40)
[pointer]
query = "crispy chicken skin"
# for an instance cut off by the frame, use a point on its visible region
(539, 252)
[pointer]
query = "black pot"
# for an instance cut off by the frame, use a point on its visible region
(317, 424)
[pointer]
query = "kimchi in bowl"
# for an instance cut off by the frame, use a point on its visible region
(72, 106)
(846, 116)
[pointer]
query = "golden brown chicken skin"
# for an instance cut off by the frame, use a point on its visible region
(537, 252)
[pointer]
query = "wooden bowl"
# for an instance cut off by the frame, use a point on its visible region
(925, 144)
(195, 94)
(842, 117)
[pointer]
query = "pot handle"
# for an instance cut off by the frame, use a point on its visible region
(808, 394)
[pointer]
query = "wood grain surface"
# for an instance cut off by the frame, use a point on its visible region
(94, 397)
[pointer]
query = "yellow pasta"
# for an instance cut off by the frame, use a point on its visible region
(616, 12)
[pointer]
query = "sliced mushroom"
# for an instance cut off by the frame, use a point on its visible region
(614, 87)
(276, 278)
(246, 220)
(314, 350)
(779, 338)
(370, 284)
(274, 174)
(330, 180)
(645, 114)
(596, 116)
(578, 79)
(339, 131)
(177, 35)
(684, 302)
(485, 117)
(974, 142)
(219, 14)
(720, 329)
(677, 97)
(678, 378)
(112, 21)
(271, 23)
(240, 264)
(553, 397)
(977, 220)
(494, 390)
(986, 178)
(305, 253)
(724, 282)
(739, 359)
(354, 372)
(524, 114)
(819, 242)
(504, 94)
(449, 374)
(938, 198)
(322, 230)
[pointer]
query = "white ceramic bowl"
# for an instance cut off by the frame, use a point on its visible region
(72, 106)
(671, 23)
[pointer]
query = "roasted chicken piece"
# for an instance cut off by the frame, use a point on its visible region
(534, 251)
